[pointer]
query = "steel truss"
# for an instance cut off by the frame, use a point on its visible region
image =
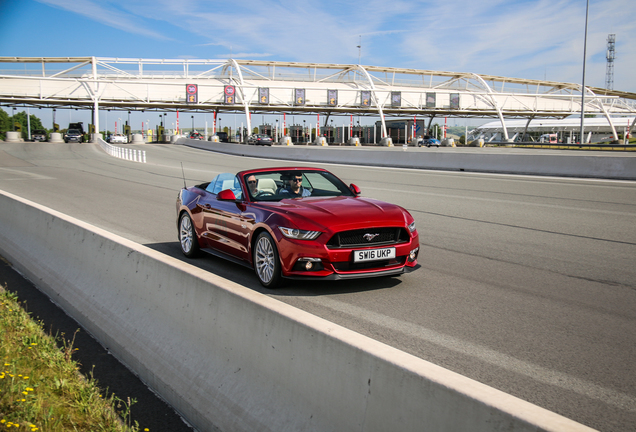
(160, 84)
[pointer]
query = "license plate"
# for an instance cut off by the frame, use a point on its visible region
(373, 254)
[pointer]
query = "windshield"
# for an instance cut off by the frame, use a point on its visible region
(278, 185)
(225, 181)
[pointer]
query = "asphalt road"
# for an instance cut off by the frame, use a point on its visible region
(526, 284)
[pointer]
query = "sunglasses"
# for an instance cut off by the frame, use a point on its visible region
(251, 182)
(297, 179)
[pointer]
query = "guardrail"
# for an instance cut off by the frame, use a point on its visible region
(228, 358)
(132, 155)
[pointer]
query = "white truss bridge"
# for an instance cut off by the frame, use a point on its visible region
(233, 85)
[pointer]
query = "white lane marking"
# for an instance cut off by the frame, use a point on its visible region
(505, 361)
(494, 200)
(24, 175)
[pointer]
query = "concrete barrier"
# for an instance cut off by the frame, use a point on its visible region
(572, 164)
(286, 141)
(13, 137)
(320, 141)
(231, 359)
(386, 142)
(56, 138)
(137, 139)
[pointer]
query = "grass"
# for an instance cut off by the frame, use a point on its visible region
(41, 388)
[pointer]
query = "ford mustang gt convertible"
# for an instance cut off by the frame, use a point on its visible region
(296, 223)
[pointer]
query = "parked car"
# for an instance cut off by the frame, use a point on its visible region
(73, 135)
(296, 223)
(428, 142)
(118, 138)
(39, 135)
(223, 136)
(259, 139)
(196, 135)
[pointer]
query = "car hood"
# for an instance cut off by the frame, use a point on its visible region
(340, 213)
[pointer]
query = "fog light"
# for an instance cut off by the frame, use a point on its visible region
(308, 264)
(413, 254)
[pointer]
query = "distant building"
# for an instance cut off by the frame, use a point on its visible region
(596, 129)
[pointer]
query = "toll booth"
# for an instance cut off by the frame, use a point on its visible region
(329, 132)
(265, 129)
(160, 134)
(297, 134)
(370, 134)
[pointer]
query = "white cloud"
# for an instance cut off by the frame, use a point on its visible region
(106, 13)
(522, 38)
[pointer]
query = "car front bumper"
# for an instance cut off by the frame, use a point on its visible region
(337, 263)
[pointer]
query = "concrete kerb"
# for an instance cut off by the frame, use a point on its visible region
(227, 357)
(483, 160)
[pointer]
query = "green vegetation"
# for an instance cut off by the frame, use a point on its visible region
(7, 123)
(40, 386)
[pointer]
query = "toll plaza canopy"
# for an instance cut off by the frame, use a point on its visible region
(252, 86)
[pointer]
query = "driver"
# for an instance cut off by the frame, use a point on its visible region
(295, 188)
(251, 183)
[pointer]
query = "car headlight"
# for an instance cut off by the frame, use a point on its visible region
(412, 226)
(295, 233)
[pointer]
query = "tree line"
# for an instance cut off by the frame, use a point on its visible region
(18, 122)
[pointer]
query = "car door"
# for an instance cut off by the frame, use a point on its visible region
(227, 224)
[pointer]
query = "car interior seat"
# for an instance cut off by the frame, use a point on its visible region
(266, 185)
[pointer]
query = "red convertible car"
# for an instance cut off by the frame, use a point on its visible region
(296, 223)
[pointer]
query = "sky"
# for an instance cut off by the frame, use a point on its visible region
(532, 39)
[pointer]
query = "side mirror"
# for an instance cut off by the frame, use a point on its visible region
(226, 195)
(355, 189)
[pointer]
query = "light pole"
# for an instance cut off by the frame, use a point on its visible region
(331, 133)
(192, 123)
(587, 8)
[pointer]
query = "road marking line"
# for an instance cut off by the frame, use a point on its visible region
(507, 362)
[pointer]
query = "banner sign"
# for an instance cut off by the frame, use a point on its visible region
(365, 98)
(192, 93)
(229, 92)
(430, 100)
(299, 96)
(396, 99)
(454, 100)
(332, 97)
(263, 96)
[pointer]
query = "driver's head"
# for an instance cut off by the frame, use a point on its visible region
(296, 182)
(251, 183)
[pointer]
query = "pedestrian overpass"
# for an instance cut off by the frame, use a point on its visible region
(255, 87)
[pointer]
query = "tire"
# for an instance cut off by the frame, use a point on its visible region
(188, 237)
(266, 261)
